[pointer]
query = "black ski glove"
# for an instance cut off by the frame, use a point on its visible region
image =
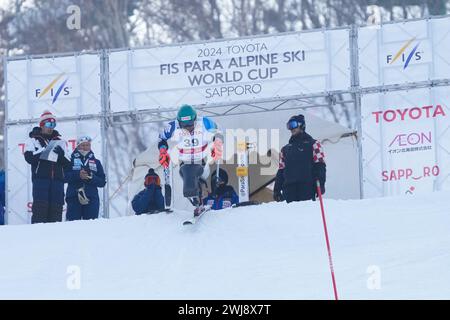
(59, 151)
(322, 190)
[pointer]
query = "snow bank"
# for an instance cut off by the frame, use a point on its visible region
(391, 248)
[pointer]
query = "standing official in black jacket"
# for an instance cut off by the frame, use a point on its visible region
(302, 162)
(47, 154)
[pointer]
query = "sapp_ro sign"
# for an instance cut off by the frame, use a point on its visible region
(409, 173)
(402, 146)
(401, 143)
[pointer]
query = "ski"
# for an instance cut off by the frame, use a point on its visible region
(196, 218)
(245, 203)
(168, 188)
(159, 211)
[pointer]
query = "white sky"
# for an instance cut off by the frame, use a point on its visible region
(3, 3)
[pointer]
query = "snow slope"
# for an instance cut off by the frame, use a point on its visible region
(271, 251)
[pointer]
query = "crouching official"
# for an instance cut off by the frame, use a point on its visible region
(150, 200)
(84, 178)
(302, 163)
(222, 195)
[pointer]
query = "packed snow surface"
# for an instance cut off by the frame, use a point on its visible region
(385, 248)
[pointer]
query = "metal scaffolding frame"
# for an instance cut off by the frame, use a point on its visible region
(330, 99)
(300, 102)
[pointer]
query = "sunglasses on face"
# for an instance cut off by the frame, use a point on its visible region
(219, 180)
(187, 124)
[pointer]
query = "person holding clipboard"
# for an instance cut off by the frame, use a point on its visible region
(48, 156)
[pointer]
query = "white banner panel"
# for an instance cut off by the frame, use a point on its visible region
(67, 86)
(404, 52)
(19, 187)
(230, 70)
(406, 142)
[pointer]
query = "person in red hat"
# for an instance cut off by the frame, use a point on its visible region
(47, 154)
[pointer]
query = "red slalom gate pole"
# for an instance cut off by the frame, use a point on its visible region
(330, 260)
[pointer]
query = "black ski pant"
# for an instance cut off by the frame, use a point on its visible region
(48, 200)
(191, 174)
(299, 192)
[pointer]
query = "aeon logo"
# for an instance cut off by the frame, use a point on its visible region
(411, 139)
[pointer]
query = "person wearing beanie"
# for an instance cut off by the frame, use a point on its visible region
(301, 164)
(150, 200)
(48, 156)
(222, 195)
(84, 176)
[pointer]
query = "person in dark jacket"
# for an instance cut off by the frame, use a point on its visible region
(150, 200)
(47, 153)
(222, 195)
(84, 177)
(302, 162)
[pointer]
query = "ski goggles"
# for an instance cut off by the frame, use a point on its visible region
(186, 123)
(50, 124)
(219, 182)
(149, 180)
(218, 179)
(293, 124)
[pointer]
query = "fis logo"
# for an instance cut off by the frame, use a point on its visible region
(405, 55)
(50, 88)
